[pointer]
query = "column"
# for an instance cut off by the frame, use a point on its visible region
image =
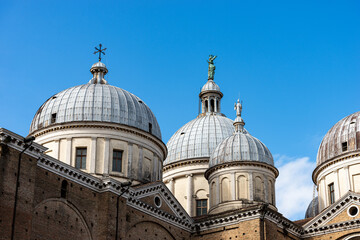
(347, 178)
(129, 160)
(215, 104)
(57, 149)
(106, 156)
(208, 104)
(266, 189)
(189, 193)
(233, 186)
(324, 193)
(217, 184)
(171, 185)
(68, 151)
(140, 163)
(251, 187)
(93, 155)
(336, 185)
(154, 165)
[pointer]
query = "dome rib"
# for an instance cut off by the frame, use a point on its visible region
(240, 146)
(343, 132)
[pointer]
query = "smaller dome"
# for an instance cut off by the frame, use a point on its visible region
(313, 208)
(210, 85)
(98, 64)
(241, 146)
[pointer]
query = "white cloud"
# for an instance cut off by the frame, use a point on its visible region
(294, 186)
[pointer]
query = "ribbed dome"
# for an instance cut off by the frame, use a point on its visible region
(198, 138)
(96, 102)
(340, 139)
(313, 208)
(210, 85)
(241, 146)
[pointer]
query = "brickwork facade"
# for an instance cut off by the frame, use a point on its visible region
(55, 205)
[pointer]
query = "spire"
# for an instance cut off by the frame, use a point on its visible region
(238, 122)
(99, 69)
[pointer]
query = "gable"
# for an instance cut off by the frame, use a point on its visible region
(343, 213)
(156, 199)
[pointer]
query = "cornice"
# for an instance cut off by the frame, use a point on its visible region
(332, 161)
(184, 163)
(316, 225)
(17, 142)
(241, 163)
(104, 125)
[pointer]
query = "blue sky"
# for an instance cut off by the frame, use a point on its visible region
(294, 64)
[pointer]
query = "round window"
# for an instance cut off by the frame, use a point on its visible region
(353, 211)
(157, 201)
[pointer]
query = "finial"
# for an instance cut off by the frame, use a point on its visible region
(211, 70)
(100, 51)
(239, 122)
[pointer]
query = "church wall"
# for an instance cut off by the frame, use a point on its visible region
(254, 229)
(8, 175)
(43, 212)
(180, 191)
(178, 179)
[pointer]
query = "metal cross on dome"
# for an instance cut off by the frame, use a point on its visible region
(100, 51)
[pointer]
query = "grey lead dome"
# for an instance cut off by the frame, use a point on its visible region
(241, 147)
(342, 138)
(198, 138)
(96, 102)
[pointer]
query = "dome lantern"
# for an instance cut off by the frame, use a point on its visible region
(210, 94)
(99, 69)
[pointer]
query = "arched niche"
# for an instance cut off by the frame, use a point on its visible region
(242, 183)
(258, 189)
(56, 217)
(225, 190)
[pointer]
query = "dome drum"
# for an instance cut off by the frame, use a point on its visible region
(241, 184)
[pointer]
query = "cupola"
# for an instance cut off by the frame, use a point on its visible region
(241, 171)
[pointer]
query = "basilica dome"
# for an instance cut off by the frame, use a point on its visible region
(240, 146)
(198, 138)
(340, 139)
(96, 103)
(101, 129)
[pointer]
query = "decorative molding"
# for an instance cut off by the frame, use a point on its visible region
(17, 142)
(184, 163)
(240, 163)
(332, 161)
(111, 126)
